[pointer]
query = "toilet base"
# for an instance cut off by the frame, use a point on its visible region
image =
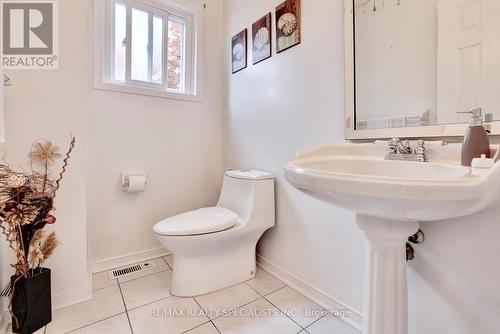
(202, 274)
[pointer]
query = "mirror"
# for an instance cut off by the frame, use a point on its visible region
(417, 63)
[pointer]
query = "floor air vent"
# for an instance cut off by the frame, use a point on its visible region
(124, 271)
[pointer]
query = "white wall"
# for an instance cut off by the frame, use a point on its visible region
(177, 143)
(453, 283)
(396, 59)
(284, 104)
(295, 100)
(50, 104)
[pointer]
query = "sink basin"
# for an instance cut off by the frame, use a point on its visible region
(380, 168)
(390, 199)
(356, 177)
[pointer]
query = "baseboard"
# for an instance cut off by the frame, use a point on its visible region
(321, 298)
(120, 261)
(72, 297)
(80, 295)
(83, 294)
(58, 301)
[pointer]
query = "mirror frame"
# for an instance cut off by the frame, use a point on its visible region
(444, 130)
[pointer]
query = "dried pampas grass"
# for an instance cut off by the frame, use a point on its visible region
(41, 248)
(26, 203)
(48, 245)
(35, 256)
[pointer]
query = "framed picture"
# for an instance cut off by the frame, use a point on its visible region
(287, 25)
(261, 39)
(239, 51)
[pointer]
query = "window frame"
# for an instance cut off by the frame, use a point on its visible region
(190, 14)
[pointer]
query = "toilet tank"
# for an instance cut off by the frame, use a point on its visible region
(250, 194)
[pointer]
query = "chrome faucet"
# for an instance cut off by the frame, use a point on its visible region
(402, 150)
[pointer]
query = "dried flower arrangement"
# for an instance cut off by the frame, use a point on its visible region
(26, 203)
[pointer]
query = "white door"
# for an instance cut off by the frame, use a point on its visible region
(468, 58)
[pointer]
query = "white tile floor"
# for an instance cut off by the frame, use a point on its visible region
(141, 304)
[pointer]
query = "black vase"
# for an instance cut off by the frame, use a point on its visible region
(31, 302)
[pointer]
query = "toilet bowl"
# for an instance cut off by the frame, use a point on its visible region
(214, 248)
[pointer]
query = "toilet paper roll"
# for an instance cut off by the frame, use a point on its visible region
(136, 183)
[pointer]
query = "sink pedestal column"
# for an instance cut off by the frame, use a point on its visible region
(385, 302)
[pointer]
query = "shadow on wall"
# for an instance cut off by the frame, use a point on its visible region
(316, 242)
(285, 211)
(452, 271)
(288, 215)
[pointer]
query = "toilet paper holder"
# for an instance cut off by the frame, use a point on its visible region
(125, 177)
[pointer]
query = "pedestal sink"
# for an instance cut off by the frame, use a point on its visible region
(390, 199)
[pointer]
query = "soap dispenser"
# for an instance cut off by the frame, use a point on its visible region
(476, 141)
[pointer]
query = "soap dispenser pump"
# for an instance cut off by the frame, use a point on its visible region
(476, 141)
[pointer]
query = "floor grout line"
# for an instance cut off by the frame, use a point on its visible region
(286, 315)
(206, 315)
(189, 330)
(315, 321)
(278, 289)
(164, 259)
(95, 322)
(322, 309)
(148, 303)
(126, 311)
(328, 313)
(238, 307)
(266, 294)
(259, 296)
(107, 287)
(216, 328)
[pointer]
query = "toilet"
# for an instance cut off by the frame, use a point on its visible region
(214, 248)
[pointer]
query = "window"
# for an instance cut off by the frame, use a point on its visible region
(149, 47)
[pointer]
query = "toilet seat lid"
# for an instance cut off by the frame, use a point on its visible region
(201, 221)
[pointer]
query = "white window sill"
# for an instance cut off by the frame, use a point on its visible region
(115, 87)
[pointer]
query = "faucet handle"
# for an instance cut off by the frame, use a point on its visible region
(392, 146)
(406, 147)
(420, 147)
(420, 151)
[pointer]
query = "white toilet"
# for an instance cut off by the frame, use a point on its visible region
(214, 248)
